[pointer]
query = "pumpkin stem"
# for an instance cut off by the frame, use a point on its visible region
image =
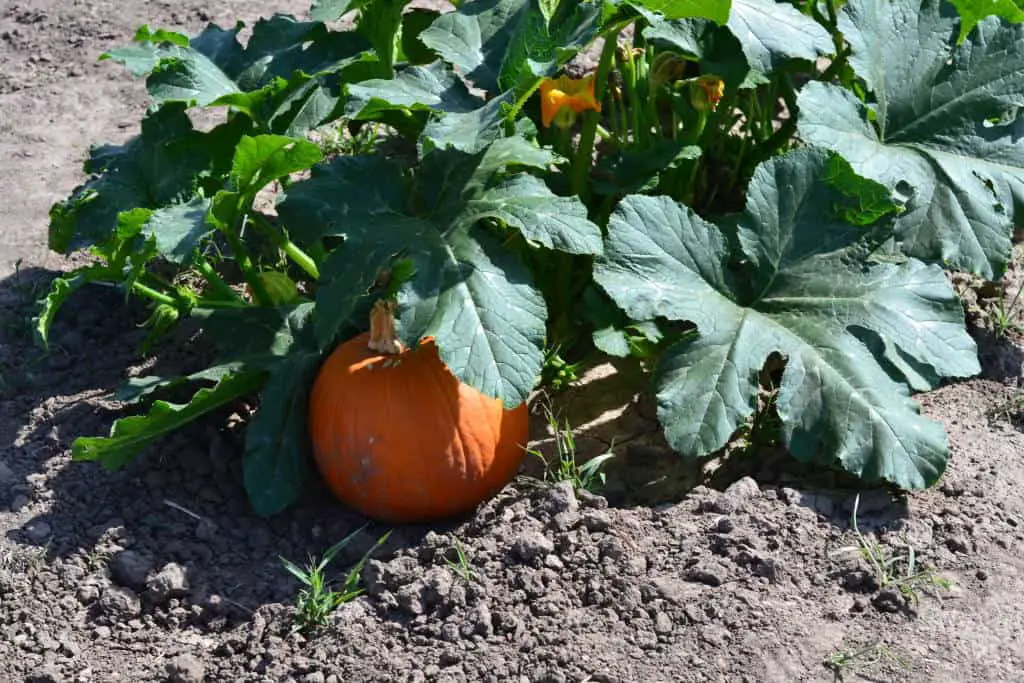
(383, 338)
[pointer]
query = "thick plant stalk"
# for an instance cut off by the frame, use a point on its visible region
(219, 287)
(294, 252)
(259, 290)
(383, 336)
(150, 293)
(585, 150)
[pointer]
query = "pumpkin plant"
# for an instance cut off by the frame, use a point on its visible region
(729, 182)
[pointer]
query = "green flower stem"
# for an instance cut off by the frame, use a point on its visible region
(585, 151)
(220, 303)
(521, 102)
(688, 169)
(628, 69)
(651, 118)
(218, 286)
(150, 293)
(294, 252)
(620, 104)
(563, 140)
(780, 138)
(259, 291)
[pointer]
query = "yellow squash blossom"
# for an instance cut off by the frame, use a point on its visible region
(562, 98)
(711, 89)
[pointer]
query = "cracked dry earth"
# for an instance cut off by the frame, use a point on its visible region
(160, 572)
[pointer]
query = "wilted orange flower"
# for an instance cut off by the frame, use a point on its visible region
(562, 98)
(713, 89)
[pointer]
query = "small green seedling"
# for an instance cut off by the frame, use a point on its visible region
(461, 565)
(901, 572)
(589, 476)
(1003, 316)
(841, 662)
(317, 599)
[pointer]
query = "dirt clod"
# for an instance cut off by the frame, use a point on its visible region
(169, 582)
(130, 569)
(185, 668)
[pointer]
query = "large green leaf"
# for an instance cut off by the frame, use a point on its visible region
(286, 77)
(136, 389)
(946, 123)
(806, 291)
(61, 288)
(426, 88)
(773, 32)
(262, 159)
(177, 229)
(275, 466)
(500, 45)
(765, 34)
(159, 167)
(715, 10)
(525, 202)
(470, 131)
(973, 11)
(258, 336)
(468, 292)
(130, 436)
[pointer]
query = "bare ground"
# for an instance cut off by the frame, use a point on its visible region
(160, 572)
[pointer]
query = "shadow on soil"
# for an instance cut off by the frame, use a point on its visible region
(182, 501)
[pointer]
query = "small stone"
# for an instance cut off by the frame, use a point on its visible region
(981, 575)
(185, 668)
(708, 572)
(130, 569)
(553, 562)
(314, 677)
(46, 674)
(597, 520)
(532, 545)
(482, 620)
(69, 647)
(958, 544)
(662, 624)
(101, 632)
(675, 591)
(791, 496)
(725, 525)
(561, 498)
(410, 599)
(437, 585)
(118, 601)
(736, 497)
(37, 532)
(450, 632)
(591, 500)
(169, 582)
(47, 642)
(88, 593)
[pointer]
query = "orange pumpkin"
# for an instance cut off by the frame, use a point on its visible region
(398, 437)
